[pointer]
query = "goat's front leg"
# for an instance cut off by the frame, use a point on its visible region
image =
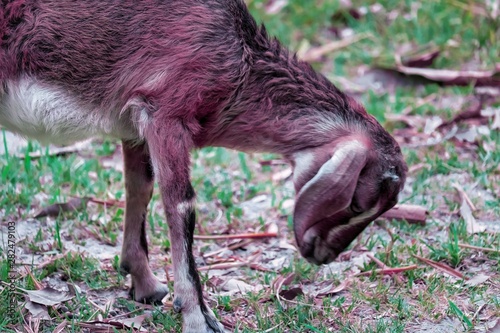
(134, 259)
(170, 143)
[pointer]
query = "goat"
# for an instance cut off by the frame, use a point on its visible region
(170, 76)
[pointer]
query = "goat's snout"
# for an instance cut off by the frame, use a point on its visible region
(350, 190)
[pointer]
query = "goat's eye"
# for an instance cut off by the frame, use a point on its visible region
(355, 208)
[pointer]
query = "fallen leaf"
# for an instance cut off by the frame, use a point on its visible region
(60, 328)
(275, 6)
(410, 213)
(290, 294)
(272, 228)
(59, 151)
(236, 236)
(452, 77)
(108, 202)
(48, 296)
(135, 322)
(273, 162)
(388, 271)
(109, 325)
(431, 124)
(331, 290)
(466, 212)
(315, 53)
(492, 112)
(473, 111)
(477, 280)
(468, 135)
(496, 328)
(38, 311)
(54, 210)
(282, 175)
(421, 60)
(234, 286)
(442, 267)
(281, 281)
(416, 121)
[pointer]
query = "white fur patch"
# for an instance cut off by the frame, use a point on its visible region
(51, 114)
(303, 162)
(194, 321)
(184, 207)
(364, 216)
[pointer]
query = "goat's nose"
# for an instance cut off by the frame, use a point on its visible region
(318, 252)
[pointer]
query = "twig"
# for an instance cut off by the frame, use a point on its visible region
(464, 195)
(444, 268)
(389, 271)
(410, 213)
(388, 250)
(225, 265)
(418, 167)
(273, 162)
(316, 53)
(479, 248)
(478, 311)
(251, 260)
(383, 266)
(37, 283)
(116, 203)
(407, 110)
(229, 248)
(57, 151)
(46, 262)
(237, 236)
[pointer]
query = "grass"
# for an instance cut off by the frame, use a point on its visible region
(226, 181)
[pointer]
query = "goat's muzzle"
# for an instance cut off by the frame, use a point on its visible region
(351, 189)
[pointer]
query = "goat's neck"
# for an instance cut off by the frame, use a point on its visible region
(284, 106)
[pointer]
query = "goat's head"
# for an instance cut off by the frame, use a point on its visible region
(342, 187)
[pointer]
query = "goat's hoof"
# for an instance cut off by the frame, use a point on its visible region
(153, 298)
(200, 320)
(213, 327)
(177, 305)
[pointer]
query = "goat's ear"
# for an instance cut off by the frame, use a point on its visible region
(332, 188)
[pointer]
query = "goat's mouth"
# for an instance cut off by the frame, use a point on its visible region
(324, 240)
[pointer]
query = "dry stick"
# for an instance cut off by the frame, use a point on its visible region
(410, 213)
(251, 260)
(417, 167)
(383, 266)
(237, 236)
(230, 248)
(37, 283)
(391, 244)
(485, 249)
(316, 53)
(407, 110)
(464, 196)
(60, 328)
(46, 262)
(389, 271)
(226, 265)
(478, 310)
(273, 162)
(444, 268)
(117, 203)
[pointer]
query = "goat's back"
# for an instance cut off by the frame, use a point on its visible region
(107, 51)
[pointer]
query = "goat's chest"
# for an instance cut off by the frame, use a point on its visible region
(50, 114)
